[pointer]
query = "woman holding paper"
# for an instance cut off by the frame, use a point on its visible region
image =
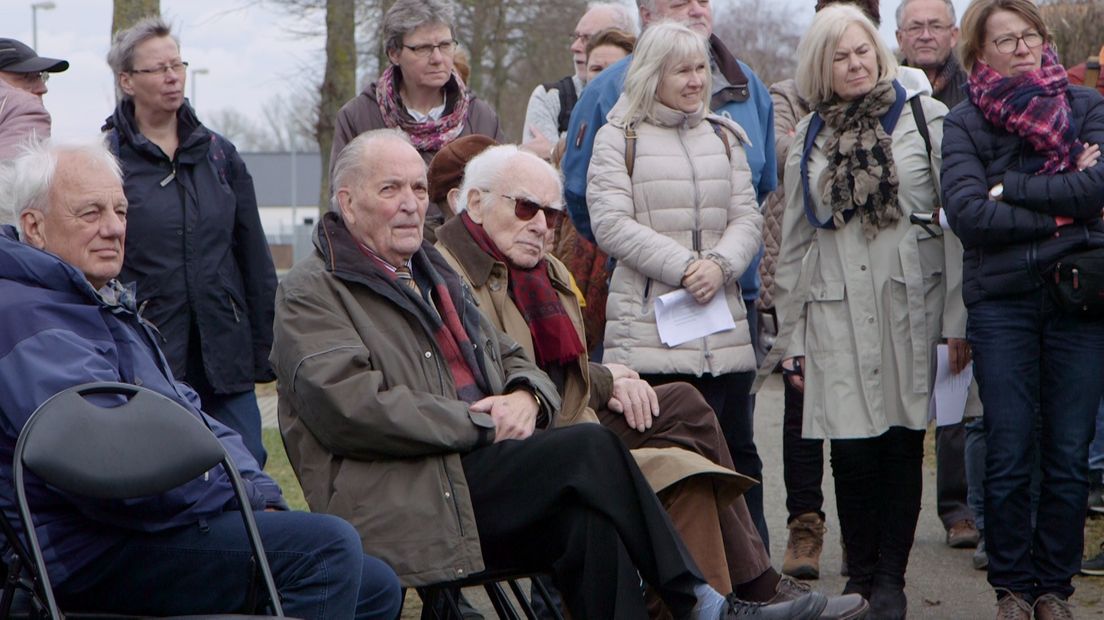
(671, 200)
(862, 294)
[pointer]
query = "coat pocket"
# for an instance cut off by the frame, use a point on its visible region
(828, 322)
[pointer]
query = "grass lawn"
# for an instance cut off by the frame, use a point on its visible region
(280, 469)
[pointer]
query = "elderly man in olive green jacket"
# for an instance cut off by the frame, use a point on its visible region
(407, 413)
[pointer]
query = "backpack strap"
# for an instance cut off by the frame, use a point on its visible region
(717, 129)
(568, 98)
(922, 127)
(630, 149)
(816, 123)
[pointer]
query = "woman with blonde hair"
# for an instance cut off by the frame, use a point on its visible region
(863, 295)
(1024, 186)
(671, 199)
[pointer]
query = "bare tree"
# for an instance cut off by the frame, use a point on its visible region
(1076, 28)
(762, 35)
(127, 13)
(338, 82)
(287, 122)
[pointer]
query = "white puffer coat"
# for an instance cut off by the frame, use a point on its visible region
(688, 198)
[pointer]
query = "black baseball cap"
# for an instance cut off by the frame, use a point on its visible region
(17, 57)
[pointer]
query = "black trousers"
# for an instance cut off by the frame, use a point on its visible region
(950, 474)
(802, 459)
(878, 490)
(573, 499)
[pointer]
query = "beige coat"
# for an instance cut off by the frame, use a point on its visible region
(686, 200)
(585, 384)
(867, 313)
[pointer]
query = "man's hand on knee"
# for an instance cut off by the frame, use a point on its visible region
(514, 414)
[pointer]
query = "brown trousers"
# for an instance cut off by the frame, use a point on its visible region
(722, 539)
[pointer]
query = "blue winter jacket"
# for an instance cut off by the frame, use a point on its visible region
(744, 99)
(1012, 242)
(56, 332)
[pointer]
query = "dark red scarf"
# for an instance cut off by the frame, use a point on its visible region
(554, 336)
(1033, 106)
(451, 337)
(430, 135)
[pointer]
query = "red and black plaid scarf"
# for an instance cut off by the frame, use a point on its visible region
(448, 330)
(1031, 105)
(554, 337)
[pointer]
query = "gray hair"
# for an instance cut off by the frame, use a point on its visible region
(26, 179)
(350, 165)
(121, 55)
(662, 46)
(904, 3)
(623, 18)
(406, 16)
(817, 50)
(493, 165)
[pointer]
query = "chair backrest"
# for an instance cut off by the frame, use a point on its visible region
(146, 444)
(80, 447)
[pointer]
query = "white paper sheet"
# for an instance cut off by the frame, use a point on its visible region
(681, 319)
(950, 391)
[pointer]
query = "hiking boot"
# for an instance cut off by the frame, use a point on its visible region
(981, 559)
(888, 602)
(1094, 565)
(1012, 606)
(846, 607)
(1050, 607)
(802, 559)
(963, 535)
(807, 607)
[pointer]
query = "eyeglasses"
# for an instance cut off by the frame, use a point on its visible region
(32, 77)
(935, 28)
(425, 51)
(526, 210)
(1008, 44)
(574, 36)
(177, 67)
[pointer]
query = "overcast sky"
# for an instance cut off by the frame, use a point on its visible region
(244, 45)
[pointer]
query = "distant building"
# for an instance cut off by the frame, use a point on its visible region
(287, 186)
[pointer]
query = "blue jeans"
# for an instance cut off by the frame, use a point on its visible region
(1096, 449)
(240, 412)
(1039, 372)
(975, 473)
(317, 561)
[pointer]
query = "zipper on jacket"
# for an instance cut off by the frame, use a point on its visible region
(172, 175)
(696, 233)
(452, 496)
(647, 289)
(234, 307)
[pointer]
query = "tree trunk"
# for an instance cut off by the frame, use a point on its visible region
(338, 83)
(128, 12)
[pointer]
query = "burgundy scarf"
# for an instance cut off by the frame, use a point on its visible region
(554, 336)
(431, 135)
(451, 337)
(1031, 105)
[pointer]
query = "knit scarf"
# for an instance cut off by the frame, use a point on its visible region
(945, 77)
(431, 135)
(1031, 105)
(861, 174)
(449, 333)
(554, 337)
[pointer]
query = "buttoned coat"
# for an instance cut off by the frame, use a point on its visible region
(867, 313)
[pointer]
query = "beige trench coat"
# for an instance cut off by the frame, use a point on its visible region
(866, 314)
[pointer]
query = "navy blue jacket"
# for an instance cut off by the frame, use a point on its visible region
(1011, 243)
(196, 251)
(57, 332)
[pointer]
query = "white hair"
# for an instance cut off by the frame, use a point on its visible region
(662, 46)
(495, 164)
(350, 168)
(904, 3)
(623, 18)
(26, 179)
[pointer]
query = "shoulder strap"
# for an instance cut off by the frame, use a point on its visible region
(565, 87)
(717, 129)
(630, 149)
(921, 124)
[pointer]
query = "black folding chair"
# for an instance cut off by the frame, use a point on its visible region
(146, 446)
(440, 601)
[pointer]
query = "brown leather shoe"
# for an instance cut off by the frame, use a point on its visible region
(802, 559)
(1012, 606)
(1051, 607)
(963, 535)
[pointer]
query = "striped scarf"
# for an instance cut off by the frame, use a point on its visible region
(431, 135)
(1033, 106)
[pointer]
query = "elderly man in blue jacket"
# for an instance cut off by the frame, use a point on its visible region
(66, 321)
(738, 94)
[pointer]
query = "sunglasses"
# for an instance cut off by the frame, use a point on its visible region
(526, 210)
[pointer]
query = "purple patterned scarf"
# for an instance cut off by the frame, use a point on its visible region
(431, 135)
(1031, 105)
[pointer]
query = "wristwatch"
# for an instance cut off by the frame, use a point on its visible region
(996, 192)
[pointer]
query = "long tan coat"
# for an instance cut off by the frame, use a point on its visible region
(369, 411)
(684, 191)
(869, 312)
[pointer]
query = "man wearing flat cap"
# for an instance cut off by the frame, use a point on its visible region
(23, 75)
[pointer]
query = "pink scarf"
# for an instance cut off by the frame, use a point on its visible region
(431, 135)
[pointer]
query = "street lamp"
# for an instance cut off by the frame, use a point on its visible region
(196, 72)
(35, 6)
